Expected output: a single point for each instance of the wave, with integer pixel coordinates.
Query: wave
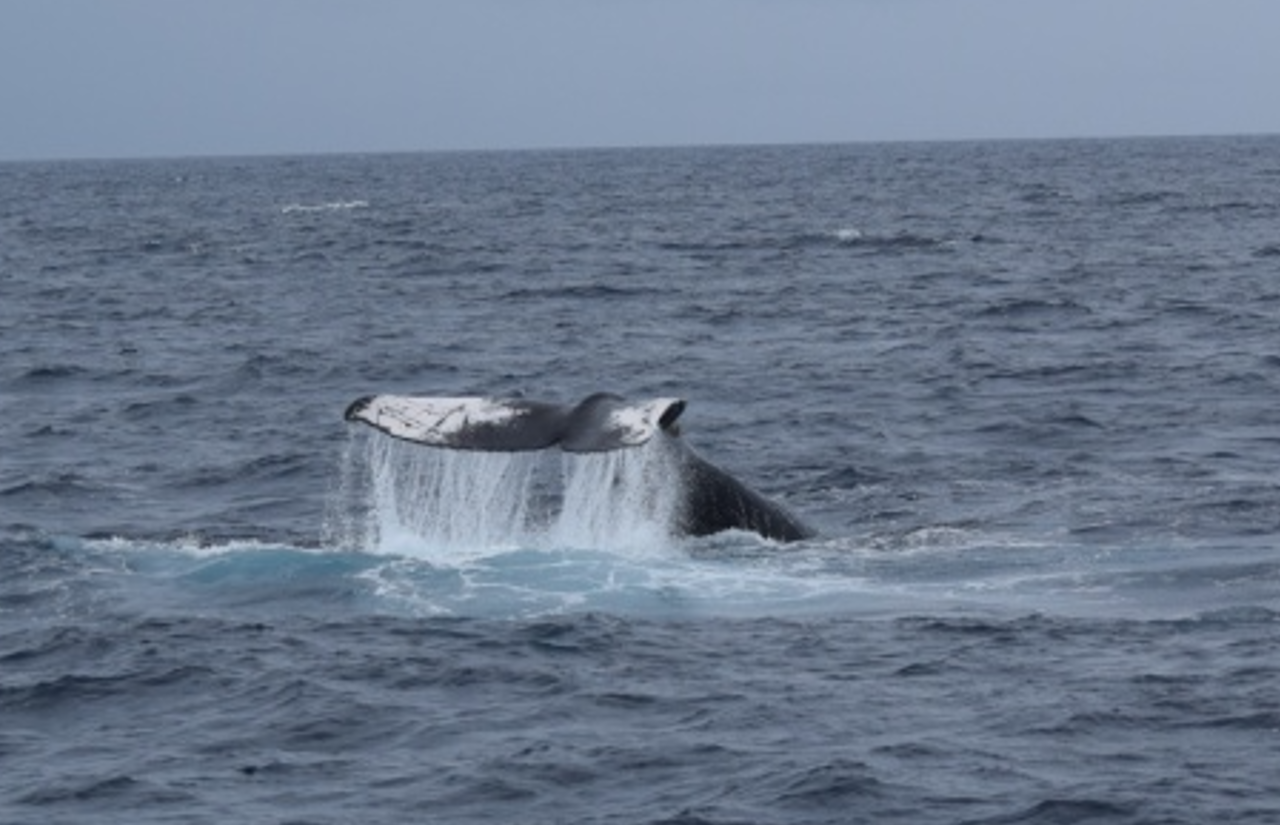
(579, 291)
(51, 373)
(846, 237)
(1032, 308)
(330, 206)
(65, 483)
(901, 241)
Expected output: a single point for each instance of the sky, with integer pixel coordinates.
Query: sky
(147, 78)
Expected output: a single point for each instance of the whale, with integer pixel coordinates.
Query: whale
(710, 501)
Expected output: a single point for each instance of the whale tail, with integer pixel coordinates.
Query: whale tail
(600, 423)
(712, 500)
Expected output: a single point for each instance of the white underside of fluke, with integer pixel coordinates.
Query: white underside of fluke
(505, 424)
(636, 423)
(436, 420)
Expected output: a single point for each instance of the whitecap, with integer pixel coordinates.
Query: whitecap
(330, 206)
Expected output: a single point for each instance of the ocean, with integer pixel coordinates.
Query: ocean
(1027, 394)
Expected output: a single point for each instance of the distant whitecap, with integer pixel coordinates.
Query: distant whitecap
(332, 206)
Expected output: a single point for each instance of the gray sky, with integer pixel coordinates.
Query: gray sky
(138, 78)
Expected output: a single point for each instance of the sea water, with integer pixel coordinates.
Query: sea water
(1025, 391)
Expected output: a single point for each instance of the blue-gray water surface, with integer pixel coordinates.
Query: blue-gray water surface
(1028, 394)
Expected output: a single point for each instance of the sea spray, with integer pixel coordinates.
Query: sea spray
(619, 499)
(347, 506)
(448, 501)
(450, 505)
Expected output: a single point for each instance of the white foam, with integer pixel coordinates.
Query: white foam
(323, 207)
(193, 546)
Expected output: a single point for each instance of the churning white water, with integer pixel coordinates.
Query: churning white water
(406, 499)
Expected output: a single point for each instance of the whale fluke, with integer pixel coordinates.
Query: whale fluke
(599, 423)
(713, 501)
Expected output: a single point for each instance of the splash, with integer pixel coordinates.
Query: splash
(622, 498)
(450, 505)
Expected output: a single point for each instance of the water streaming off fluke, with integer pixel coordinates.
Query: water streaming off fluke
(446, 505)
